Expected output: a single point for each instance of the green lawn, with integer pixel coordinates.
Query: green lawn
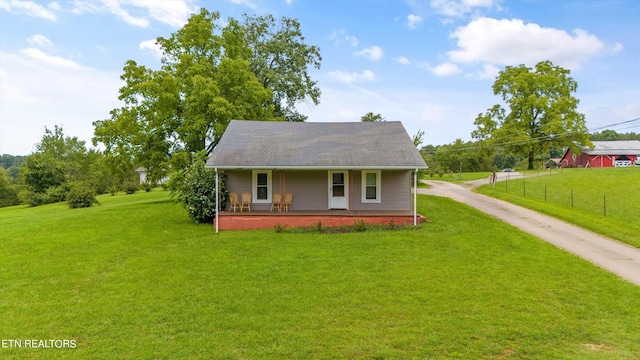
(455, 177)
(134, 279)
(606, 201)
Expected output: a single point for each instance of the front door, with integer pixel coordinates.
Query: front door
(338, 189)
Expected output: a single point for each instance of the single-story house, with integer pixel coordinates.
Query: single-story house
(619, 153)
(142, 172)
(335, 172)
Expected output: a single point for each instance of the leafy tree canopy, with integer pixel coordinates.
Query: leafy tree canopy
(8, 194)
(279, 58)
(209, 75)
(541, 112)
(610, 135)
(57, 159)
(58, 163)
(371, 117)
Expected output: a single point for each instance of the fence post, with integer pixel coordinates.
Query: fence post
(507, 184)
(571, 197)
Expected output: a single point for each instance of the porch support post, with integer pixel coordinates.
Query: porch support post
(217, 204)
(415, 198)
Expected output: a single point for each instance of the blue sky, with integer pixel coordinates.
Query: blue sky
(429, 64)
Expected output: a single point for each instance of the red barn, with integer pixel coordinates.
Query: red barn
(619, 153)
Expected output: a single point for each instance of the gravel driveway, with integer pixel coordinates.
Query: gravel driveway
(617, 257)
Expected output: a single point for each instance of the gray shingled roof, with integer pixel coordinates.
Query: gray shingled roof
(306, 145)
(618, 147)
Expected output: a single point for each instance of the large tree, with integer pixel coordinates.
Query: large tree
(279, 58)
(541, 112)
(209, 75)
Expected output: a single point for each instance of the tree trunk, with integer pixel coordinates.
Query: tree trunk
(530, 160)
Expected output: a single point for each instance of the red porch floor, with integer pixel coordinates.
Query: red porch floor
(267, 220)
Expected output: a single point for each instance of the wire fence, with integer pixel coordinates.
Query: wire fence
(606, 202)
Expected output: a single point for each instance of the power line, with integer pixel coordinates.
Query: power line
(537, 139)
(616, 124)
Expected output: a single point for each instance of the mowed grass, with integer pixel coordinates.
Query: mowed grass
(457, 178)
(133, 278)
(606, 201)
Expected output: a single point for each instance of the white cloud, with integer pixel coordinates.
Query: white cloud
(512, 42)
(152, 47)
(34, 95)
(173, 13)
(438, 111)
(372, 53)
(351, 77)
(616, 48)
(248, 3)
(31, 8)
(432, 113)
(40, 40)
(413, 21)
(352, 40)
(50, 60)
(337, 36)
(489, 72)
(113, 6)
(459, 8)
(446, 69)
(402, 60)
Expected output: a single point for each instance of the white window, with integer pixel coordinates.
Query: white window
(371, 186)
(261, 186)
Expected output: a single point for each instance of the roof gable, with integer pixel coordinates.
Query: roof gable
(268, 144)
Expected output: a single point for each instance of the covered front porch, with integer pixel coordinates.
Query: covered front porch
(245, 220)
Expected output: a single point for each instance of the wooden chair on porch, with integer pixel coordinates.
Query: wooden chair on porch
(234, 202)
(246, 200)
(287, 201)
(276, 200)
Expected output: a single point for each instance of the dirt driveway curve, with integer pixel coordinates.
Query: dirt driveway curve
(617, 257)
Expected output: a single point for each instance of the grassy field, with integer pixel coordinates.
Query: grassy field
(134, 279)
(606, 201)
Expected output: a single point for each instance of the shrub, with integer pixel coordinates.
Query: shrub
(37, 199)
(278, 228)
(57, 194)
(113, 190)
(147, 186)
(130, 187)
(360, 226)
(196, 189)
(81, 196)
